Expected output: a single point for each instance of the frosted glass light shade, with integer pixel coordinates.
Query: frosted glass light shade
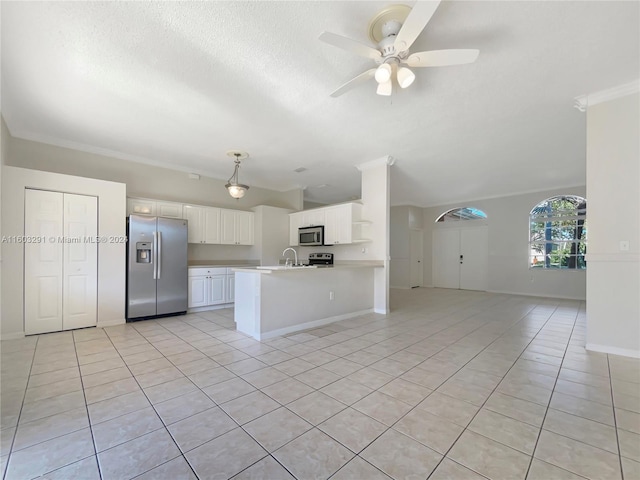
(383, 73)
(405, 77)
(237, 191)
(385, 88)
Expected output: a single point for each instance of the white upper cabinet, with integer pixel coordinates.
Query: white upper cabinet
(236, 227)
(338, 225)
(203, 224)
(343, 224)
(169, 209)
(140, 206)
(313, 218)
(153, 208)
(211, 225)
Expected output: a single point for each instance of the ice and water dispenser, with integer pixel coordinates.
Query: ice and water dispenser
(143, 252)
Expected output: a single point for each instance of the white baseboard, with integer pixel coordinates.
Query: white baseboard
(624, 352)
(537, 295)
(381, 311)
(307, 325)
(209, 308)
(12, 336)
(111, 323)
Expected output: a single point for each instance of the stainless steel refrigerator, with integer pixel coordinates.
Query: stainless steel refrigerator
(156, 267)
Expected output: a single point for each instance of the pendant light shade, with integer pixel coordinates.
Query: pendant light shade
(385, 88)
(405, 77)
(236, 189)
(383, 73)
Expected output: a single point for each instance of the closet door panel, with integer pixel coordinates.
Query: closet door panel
(80, 293)
(43, 261)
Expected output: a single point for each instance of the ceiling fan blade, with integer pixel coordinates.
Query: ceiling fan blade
(352, 46)
(354, 82)
(442, 58)
(418, 18)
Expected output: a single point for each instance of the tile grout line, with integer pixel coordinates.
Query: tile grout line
(544, 418)
(615, 422)
(33, 357)
(155, 411)
(493, 391)
(86, 406)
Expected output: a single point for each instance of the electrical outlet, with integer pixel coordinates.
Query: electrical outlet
(331, 295)
(624, 245)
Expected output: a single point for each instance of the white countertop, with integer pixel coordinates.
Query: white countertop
(339, 266)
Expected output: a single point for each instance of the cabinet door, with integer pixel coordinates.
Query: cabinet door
(195, 218)
(43, 262)
(338, 226)
(198, 291)
(228, 227)
(80, 271)
(136, 206)
(211, 225)
(231, 288)
(217, 288)
(313, 218)
(169, 209)
(295, 222)
(244, 228)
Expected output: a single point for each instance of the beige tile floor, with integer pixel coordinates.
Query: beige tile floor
(451, 384)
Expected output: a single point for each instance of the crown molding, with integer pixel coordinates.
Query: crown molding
(585, 101)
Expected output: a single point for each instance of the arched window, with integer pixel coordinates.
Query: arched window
(465, 213)
(558, 233)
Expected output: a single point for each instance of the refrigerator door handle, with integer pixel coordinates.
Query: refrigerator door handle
(154, 256)
(159, 255)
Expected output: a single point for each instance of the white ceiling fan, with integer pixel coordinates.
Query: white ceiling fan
(394, 30)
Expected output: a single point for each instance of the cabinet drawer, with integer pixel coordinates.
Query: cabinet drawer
(194, 272)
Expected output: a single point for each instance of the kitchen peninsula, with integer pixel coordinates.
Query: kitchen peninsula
(276, 301)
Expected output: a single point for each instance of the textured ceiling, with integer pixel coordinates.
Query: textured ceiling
(177, 84)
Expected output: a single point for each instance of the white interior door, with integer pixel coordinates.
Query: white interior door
(461, 258)
(446, 258)
(416, 257)
(43, 261)
(474, 263)
(80, 262)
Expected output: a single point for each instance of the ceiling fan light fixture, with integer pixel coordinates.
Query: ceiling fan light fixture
(234, 187)
(383, 73)
(405, 77)
(385, 88)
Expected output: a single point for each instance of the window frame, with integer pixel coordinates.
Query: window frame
(558, 234)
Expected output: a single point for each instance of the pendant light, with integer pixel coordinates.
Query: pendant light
(236, 189)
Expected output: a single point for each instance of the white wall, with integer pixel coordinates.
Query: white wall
(613, 193)
(271, 234)
(508, 223)
(111, 256)
(144, 180)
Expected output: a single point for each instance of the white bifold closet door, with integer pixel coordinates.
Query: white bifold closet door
(61, 265)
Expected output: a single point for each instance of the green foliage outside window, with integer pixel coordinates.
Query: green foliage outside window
(558, 233)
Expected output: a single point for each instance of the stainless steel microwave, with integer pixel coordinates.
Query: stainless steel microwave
(311, 236)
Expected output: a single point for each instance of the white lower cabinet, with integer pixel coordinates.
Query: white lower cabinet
(231, 286)
(210, 286)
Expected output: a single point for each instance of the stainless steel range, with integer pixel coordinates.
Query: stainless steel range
(321, 259)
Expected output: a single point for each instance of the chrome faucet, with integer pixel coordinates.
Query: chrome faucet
(294, 253)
